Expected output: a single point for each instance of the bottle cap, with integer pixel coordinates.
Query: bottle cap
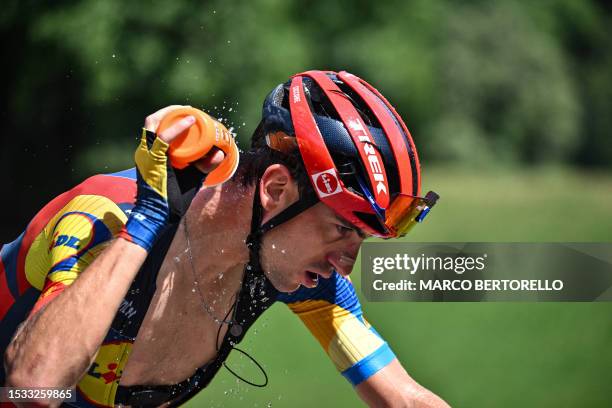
(195, 142)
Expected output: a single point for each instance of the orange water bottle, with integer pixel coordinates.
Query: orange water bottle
(196, 141)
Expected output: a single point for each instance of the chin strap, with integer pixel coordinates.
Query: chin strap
(253, 241)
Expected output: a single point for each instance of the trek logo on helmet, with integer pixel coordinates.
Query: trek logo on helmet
(296, 94)
(368, 148)
(327, 183)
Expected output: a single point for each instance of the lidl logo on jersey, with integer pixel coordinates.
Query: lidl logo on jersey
(100, 383)
(65, 240)
(74, 234)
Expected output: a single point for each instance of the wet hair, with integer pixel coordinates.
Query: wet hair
(254, 162)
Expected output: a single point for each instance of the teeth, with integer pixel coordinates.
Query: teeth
(314, 277)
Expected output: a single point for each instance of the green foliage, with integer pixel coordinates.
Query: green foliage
(505, 87)
(477, 82)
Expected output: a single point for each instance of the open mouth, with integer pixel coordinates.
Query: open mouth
(312, 279)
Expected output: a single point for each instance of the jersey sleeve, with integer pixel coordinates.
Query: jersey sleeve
(333, 314)
(71, 240)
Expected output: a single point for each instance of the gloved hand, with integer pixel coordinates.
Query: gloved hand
(150, 214)
(163, 193)
(152, 210)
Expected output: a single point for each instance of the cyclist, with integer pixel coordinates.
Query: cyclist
(139, 302)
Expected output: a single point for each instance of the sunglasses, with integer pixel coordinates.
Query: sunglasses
(404, 212)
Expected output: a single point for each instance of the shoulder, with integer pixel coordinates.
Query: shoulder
(71, 225)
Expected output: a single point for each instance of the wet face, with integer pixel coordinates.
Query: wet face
(309, 246)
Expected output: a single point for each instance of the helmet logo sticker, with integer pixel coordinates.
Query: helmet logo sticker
(368, 148)
(356, 126)
(296, 94)
(326, 183)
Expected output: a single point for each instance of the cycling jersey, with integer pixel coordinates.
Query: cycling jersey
(71, 230)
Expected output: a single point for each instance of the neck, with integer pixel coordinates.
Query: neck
(217, 225)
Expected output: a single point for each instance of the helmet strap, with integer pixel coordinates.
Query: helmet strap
(253, 241)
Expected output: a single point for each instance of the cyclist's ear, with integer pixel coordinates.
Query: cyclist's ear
(277, 190)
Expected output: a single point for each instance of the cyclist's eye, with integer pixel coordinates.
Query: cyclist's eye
(343, 230)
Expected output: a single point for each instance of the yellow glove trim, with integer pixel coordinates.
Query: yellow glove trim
(152, 164)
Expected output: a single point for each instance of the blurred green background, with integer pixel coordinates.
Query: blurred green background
(509, 103)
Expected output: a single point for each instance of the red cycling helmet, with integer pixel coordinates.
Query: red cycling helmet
(357, 151)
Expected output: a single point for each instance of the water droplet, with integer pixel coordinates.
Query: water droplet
(114, 55)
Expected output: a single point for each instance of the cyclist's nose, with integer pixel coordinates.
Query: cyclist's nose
(342, 262)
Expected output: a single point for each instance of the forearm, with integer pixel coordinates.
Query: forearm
(420, 397)
(393, 387)
(57, 344)
(404, 396)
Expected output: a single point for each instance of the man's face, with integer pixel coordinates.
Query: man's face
(309, 246)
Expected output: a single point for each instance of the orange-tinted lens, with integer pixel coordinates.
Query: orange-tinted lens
(403, 213)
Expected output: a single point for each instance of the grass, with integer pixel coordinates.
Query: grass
(472, 354)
